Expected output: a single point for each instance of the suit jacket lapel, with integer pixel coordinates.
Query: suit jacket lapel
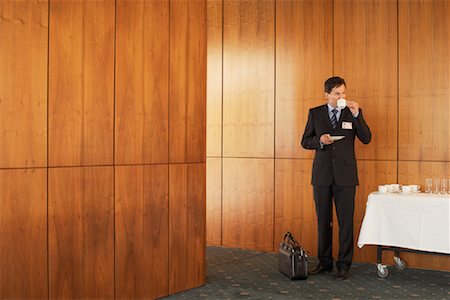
(327, 115)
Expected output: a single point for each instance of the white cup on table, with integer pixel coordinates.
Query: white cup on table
(382, 189)
(415, 187)
(406, 189)
(395, 187)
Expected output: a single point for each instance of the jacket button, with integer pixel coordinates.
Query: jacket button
(334, 159)
(334, 148)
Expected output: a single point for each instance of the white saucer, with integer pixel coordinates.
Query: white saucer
(337, 137)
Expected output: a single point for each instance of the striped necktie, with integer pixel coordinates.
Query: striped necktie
(333, 118)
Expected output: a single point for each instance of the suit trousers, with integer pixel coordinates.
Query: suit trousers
(344, 200)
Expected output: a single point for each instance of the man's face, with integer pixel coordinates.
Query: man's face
(335, 94)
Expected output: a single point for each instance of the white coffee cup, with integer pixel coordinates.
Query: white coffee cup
(396, 187)
(382, 189)
(406, 189)
(415, 187)
(342, 103)
(389, 188)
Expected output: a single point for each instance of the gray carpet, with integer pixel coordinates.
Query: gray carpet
(244, 274)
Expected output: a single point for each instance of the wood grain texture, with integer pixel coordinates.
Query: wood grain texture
(303, 62)
(214, 79)
(294, 201)
(248, 78)
(187, 226)
(81, 82)
(248, 200)
(424, 86)
(81, 232)
(23, 83)
(141, 213)
(142, 82)
(214, 201)
(187, 92)
(310, 237)
(415, 172)
(23, 234)
(365, 55)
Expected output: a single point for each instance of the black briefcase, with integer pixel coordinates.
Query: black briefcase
(292, 258)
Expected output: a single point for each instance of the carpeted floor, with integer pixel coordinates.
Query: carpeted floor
(244, 274)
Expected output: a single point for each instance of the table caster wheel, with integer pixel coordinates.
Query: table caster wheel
(399, 263)
(382, 271)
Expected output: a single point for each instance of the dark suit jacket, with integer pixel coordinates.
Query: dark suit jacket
(336, 161)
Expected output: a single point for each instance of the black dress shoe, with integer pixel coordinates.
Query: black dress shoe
(342, 274)
(320, 269)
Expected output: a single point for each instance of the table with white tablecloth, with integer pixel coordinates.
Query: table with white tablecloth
(416, 221)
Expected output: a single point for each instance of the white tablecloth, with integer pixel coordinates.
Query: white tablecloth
(415, 221)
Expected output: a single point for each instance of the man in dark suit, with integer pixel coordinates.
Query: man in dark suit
(331, 131)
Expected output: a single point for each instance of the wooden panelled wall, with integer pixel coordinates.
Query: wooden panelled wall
(267, 61)
(102, 148)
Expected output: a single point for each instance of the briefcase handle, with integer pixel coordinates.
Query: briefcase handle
(290, 238)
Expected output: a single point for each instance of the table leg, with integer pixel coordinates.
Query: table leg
(379, 254)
